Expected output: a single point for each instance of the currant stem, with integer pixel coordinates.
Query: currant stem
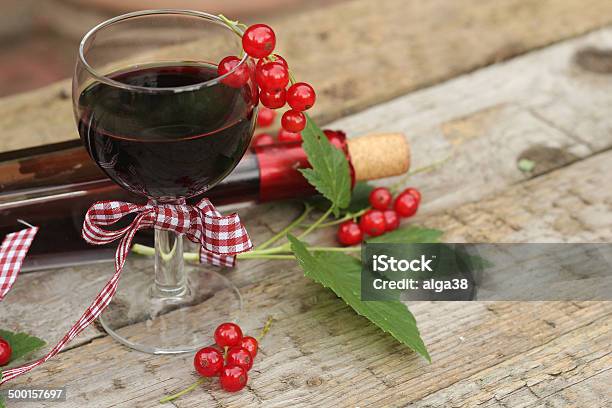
(347, 217)
(288, 228)
(183, 392)
(425, 169)
(234, 25)
(265, 329)
(316, 223)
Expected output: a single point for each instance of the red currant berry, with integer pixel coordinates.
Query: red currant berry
(293, 121)
(263, 139)
(240, 356)
(301, 96)
(414, 192)
(272, 76)
(259, 40)
(277, 58)
(380, 198)
(406, 205)
(233, 378)
(392, 220)
(5, 352)
(265, 116)
(250, 343)
(236, 78)
(228, 335)
(272, 99)
(349, 233)
(208, 361)
(286, 136)
(373, 223)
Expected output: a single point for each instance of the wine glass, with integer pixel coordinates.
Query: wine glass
(158, 120)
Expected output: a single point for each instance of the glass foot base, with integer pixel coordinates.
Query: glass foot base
(145, 319)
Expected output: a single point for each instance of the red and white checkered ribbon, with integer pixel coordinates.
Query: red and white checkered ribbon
(220, 237)
(12, 252)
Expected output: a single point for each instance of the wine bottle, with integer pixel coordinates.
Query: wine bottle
(52, 186)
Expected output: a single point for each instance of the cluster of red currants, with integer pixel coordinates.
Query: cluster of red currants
(381, 217)
(5, 352)
(272, 78)
(230, 358)
(265, 118)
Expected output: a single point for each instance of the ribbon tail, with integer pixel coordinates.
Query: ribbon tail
(210, 258)
(12, 253)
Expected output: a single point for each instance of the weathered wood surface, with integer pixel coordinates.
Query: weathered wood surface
(495, 354)
(319, 352)
(487, 120)
(359, 53)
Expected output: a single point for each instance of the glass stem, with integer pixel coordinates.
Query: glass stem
(170, 280)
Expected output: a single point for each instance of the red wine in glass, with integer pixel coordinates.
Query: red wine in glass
(166, 145)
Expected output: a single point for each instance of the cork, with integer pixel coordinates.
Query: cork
(377, 156)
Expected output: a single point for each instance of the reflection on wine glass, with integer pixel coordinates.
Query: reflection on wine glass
(156, 118)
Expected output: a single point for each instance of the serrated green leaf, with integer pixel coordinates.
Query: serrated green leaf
(409, 235)
(342, 274)
(21, 343)
(330, 170)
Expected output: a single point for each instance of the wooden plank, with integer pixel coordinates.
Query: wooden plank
(541, 375)
(488, 119)
(319, 352)
(485, 107)
(360, 53)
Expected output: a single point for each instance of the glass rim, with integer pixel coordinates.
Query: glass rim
(193, 13)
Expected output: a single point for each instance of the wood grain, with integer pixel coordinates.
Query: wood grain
(318, 350)
(487, 121)
(319, 353)
(361, 53)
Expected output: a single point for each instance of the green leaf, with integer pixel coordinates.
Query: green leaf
(342, 274)
(360, 197)
(409, 235)
(330, 170)
(21, 343)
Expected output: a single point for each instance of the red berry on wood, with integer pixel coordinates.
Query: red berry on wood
(208, 361)
(301, 96)
(250, 343)
(414, 192)
(392, 220)
(277, 58)
(228, 335)
(406, 205)
(265, 116)
(293, 121)
(273, 99)
(259, 40)
(286, 136)
(263, 139)
(5, 352)
(240, 356)
(380, 198)
(373, 223)
(233, 378)
(349, 233)
(272, 76)
(238, 77)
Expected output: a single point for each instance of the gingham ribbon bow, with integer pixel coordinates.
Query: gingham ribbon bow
(221, 238)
